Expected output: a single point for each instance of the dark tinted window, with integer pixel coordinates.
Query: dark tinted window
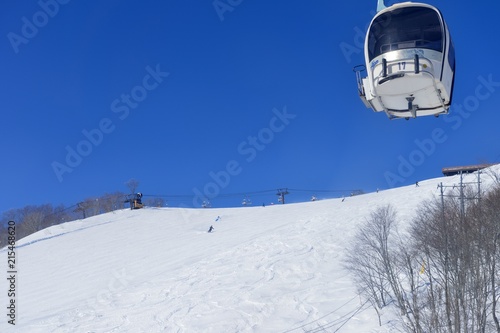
(411, 27)
(451, 56)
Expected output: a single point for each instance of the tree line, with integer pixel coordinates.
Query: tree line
(33, 218)
(442, 273)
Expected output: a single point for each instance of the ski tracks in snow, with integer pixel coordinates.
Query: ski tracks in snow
(249, 285)
(269, 280)
(252, 284)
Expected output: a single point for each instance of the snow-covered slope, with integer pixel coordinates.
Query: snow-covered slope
(264, 269)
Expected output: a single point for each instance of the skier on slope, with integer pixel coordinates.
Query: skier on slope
(211, 228)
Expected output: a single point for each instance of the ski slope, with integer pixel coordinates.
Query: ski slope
(264, 269)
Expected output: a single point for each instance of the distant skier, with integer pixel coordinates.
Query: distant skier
(416, 184)
(211, 228)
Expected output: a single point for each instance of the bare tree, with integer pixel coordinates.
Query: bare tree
(60, 215)
(155, 202)
(31, 223)
(486, 215)
(10, 215)
(369, 259)
(443, 275)
(494, 175)
(460, 247)
(89, 207)
(132, 184)
(30, 219)
(111, 201)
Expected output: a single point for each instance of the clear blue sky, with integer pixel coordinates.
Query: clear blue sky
(253, 96)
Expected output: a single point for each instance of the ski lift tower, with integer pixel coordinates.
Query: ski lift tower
(281, 194)
(246, 202)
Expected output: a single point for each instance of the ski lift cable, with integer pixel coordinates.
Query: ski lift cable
(248, 193)
(220, 195)
(339, 321)
(322, 191)
(326, 315)
(333, 323)
(359, 309)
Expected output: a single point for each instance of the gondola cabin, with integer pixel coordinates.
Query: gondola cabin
(410, 62)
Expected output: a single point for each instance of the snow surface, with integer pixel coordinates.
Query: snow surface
(264, 269)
